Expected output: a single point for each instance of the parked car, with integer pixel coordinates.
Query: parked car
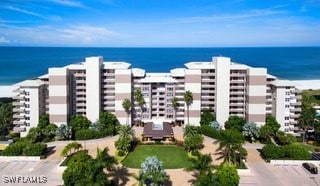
(310, 167)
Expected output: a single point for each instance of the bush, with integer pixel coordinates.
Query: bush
(296, 152)
(15, 149)
(228, 175)
(121, 153)
(85, 134)
(25, 148)
(36, 149)
(271, 151)
(210, 132)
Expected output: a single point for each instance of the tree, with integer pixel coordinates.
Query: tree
(88, 171)
(77, 123)
(5, 118)
(123, 145)
(207, 116)
(190, 130)
(35, 135)
(215, 125)
(175, 104)
(152, 172)
(251, 131)
(63, 132)
(125, 131)
(43, 121)
(296, 152)
(273, 124)
(138, 97)
(107, 121)
(228, 176)
(188, 98)
(285, 139)
(207, 179)
(49, 132)
(126, 104)
(230, 145)
(235, 122)
(307, 118)
(67, 150)
(193, 143)
(202, 164)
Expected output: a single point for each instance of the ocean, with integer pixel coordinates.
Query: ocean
(293, 63)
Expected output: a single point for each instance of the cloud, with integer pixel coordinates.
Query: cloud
(69, 3)
(3, 40)
(73, 35)
(23, 11)
(251, 14)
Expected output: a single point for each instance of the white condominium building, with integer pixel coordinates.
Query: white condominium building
(90, 87)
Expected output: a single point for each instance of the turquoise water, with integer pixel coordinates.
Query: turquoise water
(295, 63)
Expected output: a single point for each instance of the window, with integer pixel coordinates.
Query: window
(286, 118)
(27, 112)
(27, 99)
(169, 89)
(145, 94)
(286, 130)
(287, 93)
(287, 106)
(287, 99)
(169, 111)
(145, 89)
(169, 94)
(27, 93)
(286, 124)
(27, 105)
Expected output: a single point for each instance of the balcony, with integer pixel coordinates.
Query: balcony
(80, 87)
(18, 91)
(19, 97)
(18, 110)
(294, 116)
(293, 122)
(17, 104)
(236, 93)
(18, 116)
(19, 129)
(295, 109)
(236, 98)
(296, 104)
(18, 122)
(299, 97)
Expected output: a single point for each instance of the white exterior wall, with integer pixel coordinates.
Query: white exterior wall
(222, 99)
(280, 111)
(93, 69)
(34, 109)
(195, 106)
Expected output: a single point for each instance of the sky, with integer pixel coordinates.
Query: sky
(160, 23)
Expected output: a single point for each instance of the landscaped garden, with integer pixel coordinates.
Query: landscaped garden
(173, 157)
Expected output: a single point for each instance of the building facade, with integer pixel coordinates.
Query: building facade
(93, 86)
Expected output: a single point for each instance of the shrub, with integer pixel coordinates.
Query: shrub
(228, 175)
(210, 132)
(85, 134)
(15, 149)
(271, 151)
(121, 153)
(36, 149)
(296, 152)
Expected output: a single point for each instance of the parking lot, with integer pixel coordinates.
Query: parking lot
(41, 172)
(268, 174)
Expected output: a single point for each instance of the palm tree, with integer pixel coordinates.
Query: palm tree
(140, 100)
(67, 149)
(125, 131)
(201, 164)
(307, 118)
(126, 104)
(230, 145)
(104, 160)
(190, 131)
(175, 104)
(188, 97)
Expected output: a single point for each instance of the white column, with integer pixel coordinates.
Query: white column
(93, 69)
(222, 65)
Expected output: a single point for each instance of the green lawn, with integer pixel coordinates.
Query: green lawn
(173, 157)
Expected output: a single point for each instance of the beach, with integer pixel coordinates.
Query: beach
(7, 90)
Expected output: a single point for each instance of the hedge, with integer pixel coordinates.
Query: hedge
(289, 152)
(85, 134)
(210, 132)
(23, 148)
